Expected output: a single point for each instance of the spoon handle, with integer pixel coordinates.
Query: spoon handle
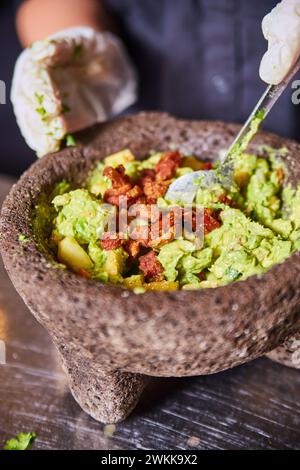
(261, 110)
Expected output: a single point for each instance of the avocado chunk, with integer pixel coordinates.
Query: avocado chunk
(115, 263)
(119, 158)
(73, 255)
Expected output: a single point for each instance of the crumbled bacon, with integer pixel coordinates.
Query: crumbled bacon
(111, 241)
(146, 176)
(155, 189)
(134, 195)
(167, 166)
(171, 224)
(121, 184)
(224, 199)
(151, 267)
(158, 228)
(210, 222)
(117, 176)
(113, 196)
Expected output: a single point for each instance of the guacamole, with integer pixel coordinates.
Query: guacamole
(245, 230)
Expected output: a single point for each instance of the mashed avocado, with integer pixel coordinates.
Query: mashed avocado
(247, 229)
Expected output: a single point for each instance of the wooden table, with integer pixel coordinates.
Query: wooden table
(255, 406)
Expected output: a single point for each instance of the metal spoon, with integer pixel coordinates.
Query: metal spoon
(184, 189)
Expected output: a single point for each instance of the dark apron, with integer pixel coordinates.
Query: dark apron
(200, 58)
(15, 156)
(196, 59)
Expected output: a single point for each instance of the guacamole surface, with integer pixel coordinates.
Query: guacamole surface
(245, 230)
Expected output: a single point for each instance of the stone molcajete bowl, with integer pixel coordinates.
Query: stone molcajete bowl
(110, 340)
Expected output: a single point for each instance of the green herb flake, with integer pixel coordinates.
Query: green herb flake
(39, 98)
(70, 141)
(22, 238)
(43, 113)
(41, 109)
(23, 441)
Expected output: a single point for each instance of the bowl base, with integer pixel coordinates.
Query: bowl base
(108, 396)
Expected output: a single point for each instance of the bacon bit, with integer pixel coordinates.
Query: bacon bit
(167, 166)
(111, 241)
(135, 194)
(224, 199)
(210, 223)
(112, 196)
(121, 184)
(172, 219)
(84, 273)
(146, 176)
(117, 176)
(154, 189)
(132, 247)
(193, 218)
(151, 267)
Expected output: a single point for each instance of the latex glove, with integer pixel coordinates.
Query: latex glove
(70, 81)
(281, 28)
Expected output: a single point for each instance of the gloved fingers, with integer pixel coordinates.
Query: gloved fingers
(281, 28)
(68, 82)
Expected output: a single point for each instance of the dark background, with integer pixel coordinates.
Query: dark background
(196, 59)
(15, 156)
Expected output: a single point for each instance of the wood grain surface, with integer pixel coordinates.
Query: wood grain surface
(255, 406)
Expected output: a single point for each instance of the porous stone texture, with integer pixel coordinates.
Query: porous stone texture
(111, 339)
(288, 353)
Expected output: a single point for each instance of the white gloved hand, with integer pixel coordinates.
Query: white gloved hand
(281, 28)
(70, 81)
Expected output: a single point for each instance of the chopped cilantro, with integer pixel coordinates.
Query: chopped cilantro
(70, 141)
(23, 441)
(44, 114)
(40, 98)
(22, 238)
(41, 109)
